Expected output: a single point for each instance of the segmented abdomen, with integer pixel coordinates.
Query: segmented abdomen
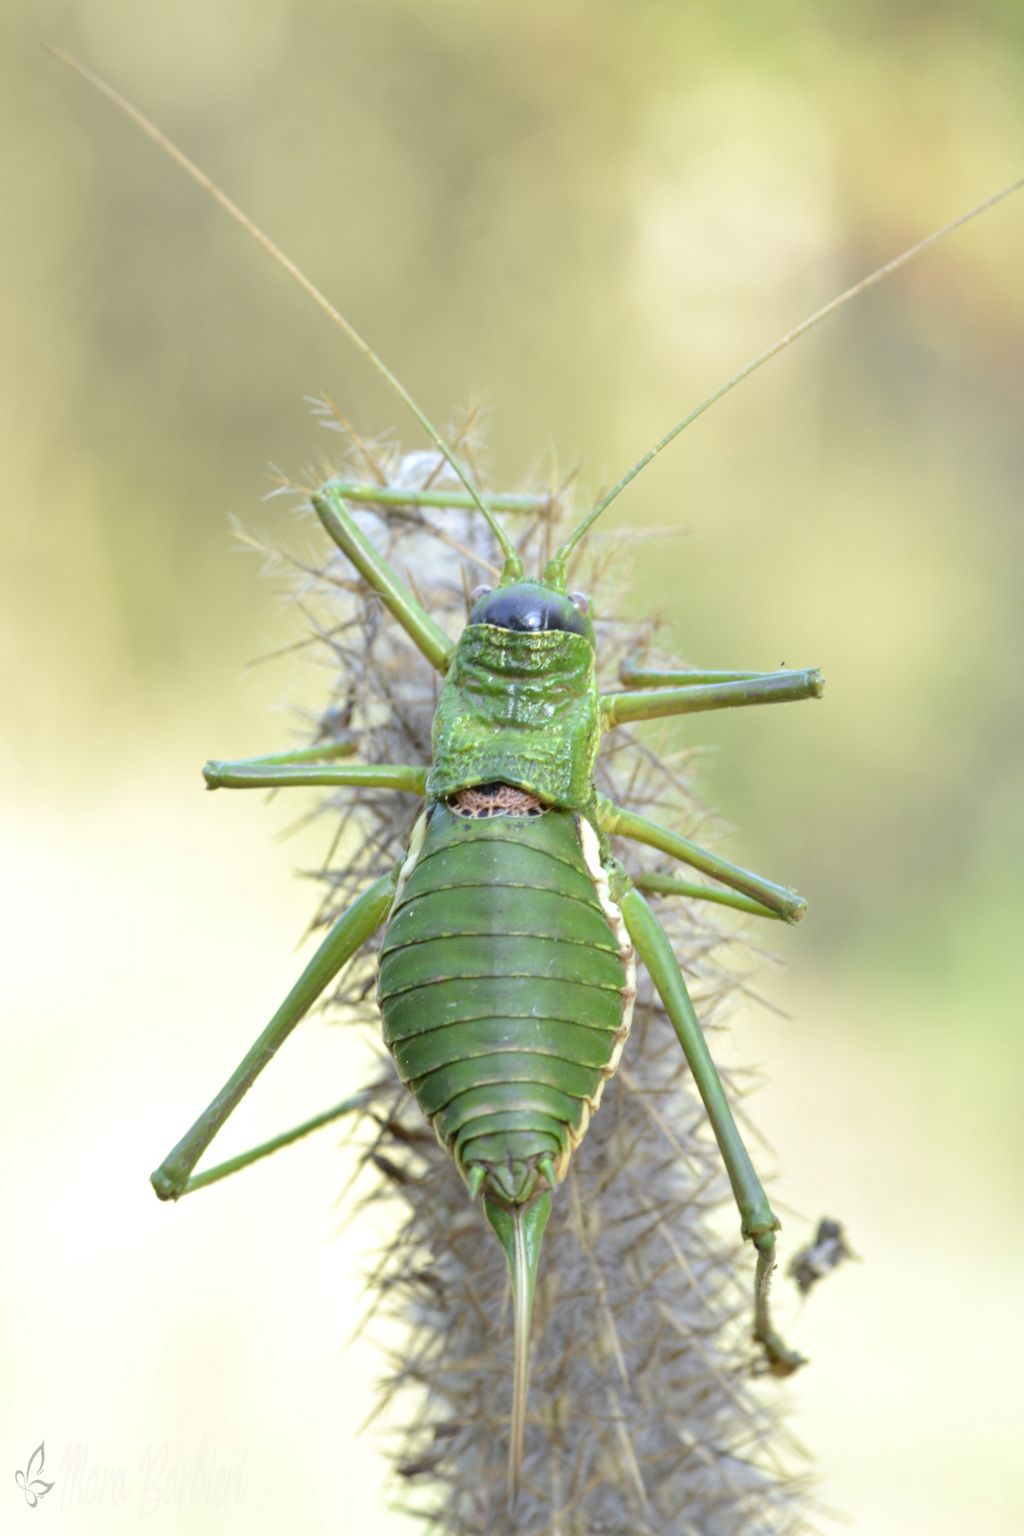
(506, 986)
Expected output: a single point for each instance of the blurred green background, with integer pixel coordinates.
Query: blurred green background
(586, 215)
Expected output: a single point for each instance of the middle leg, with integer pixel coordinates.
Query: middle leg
(778, 899)
(305, 766)
(348, 934)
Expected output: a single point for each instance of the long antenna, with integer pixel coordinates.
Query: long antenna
(513, 566)
(558, 563)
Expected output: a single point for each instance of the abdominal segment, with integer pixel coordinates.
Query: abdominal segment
(506, 985)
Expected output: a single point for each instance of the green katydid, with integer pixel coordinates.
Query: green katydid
(510, 931)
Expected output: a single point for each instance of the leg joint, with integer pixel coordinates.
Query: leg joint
(760, 1228)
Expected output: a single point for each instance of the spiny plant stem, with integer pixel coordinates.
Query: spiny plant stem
(640, 1415)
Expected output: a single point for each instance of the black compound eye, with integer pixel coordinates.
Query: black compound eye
(528, 606)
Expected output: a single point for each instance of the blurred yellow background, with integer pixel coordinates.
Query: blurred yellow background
(587, 215)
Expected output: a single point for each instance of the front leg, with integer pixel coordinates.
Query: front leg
(425, 633)
(656, 695)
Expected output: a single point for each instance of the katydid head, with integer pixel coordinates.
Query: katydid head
(531, 607)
